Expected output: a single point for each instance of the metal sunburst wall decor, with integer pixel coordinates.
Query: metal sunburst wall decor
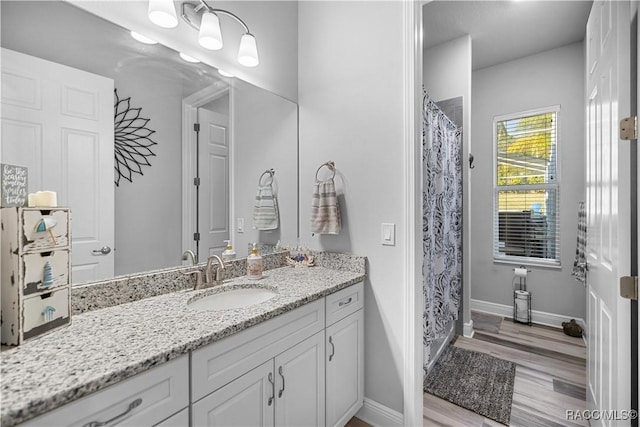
(132, 140)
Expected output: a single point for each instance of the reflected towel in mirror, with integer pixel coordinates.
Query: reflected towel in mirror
(265, 211)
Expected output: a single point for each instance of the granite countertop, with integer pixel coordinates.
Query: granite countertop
(105, 346)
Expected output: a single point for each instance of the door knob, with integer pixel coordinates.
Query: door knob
(106, 250)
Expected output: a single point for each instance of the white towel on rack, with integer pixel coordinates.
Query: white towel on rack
(325, 208)
(265, 211)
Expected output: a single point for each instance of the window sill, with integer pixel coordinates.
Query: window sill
(533, 262)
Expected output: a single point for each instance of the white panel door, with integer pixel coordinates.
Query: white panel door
(213, 211)
(246, 401)
(58, 121)
(300, 384)
(608, 207)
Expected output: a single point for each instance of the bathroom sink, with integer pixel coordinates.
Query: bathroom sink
(232, 297)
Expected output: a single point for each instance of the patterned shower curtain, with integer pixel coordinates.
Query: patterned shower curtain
(442, 221)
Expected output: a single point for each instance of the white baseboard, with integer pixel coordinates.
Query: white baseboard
(539, 317)
(468, 328)
(379, 415)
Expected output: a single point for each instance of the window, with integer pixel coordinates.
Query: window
(526, 188)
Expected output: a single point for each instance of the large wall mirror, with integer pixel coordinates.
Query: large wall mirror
(57, 54)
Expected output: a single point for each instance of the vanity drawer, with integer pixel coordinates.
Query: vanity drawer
(33, 240)
(143, 400)
(45, 312)
(344, 302)
(38, 269)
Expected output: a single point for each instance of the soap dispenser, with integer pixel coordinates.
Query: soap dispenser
(254, 264)
(228, 253)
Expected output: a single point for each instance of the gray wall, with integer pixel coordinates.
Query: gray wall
(546, 79)
(265, 136)
(350, 96)
(148, 211)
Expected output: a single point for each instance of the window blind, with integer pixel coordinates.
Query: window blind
(526, 190)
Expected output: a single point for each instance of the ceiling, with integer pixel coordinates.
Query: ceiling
(502, 31)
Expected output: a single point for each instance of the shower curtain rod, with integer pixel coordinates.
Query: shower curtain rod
(431, 104)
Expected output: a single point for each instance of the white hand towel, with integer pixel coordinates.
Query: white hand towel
(325, 208)
(265, 211)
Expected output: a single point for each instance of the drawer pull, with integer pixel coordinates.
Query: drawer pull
(273, 389)
(341, 303)
(333, 349)
(282, 390)
(133, 405)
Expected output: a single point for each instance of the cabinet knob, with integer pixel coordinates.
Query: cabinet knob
(105, 250)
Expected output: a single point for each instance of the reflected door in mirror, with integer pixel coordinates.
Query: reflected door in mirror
(58, 122)
(213, 212)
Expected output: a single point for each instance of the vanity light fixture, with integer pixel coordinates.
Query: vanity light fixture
(142, 39)
(206, 20)
(223, 73)
(188, 58)
(163, 13)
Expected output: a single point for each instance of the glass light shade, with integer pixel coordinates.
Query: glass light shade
(188, 58)
(163, 13)
(142, 39)
(210, 34)
(248, 52)
(224, 73)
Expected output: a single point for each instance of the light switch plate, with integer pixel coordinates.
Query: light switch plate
(240, 225)
(388, 234)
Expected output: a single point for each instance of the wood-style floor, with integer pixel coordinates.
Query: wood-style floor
(550, 375)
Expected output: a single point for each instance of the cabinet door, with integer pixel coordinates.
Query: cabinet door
(345, 368)
(300, 384)
(246, 401)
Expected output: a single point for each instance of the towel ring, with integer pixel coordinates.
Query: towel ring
(330, 165)
(271, 172)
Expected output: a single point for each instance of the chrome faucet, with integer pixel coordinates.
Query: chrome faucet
(189, 253)
(208, 280)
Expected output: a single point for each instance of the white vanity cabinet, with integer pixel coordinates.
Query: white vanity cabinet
(303, 368)
(344, 355)
(143, 400)
(287, 390)
(300, 368)
(270, 374)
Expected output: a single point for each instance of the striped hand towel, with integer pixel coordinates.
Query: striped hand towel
(580, 267)
(265, 211)
(325, 208)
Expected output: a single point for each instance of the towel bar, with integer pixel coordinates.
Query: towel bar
(269, 172)
(330, 165)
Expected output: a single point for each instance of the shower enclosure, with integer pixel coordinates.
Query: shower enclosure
(441, 226)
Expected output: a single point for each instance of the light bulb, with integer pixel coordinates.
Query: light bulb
(142, 39)
(189, 58)
(248, 52)
(163, 13)
(210, 36)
